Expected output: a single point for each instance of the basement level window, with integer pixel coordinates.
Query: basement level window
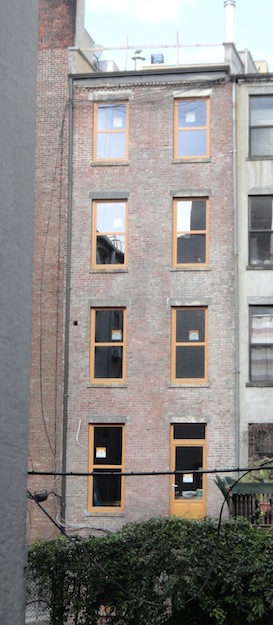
(105, 488)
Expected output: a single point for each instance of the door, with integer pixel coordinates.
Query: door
(188, 454)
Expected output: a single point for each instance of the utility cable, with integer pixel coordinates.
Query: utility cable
(76, 540)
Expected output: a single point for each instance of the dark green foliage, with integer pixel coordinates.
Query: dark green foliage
(161, 572)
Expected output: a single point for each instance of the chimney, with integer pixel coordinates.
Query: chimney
(230, 20)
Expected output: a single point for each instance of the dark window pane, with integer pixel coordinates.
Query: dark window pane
(189, 430)
(192, 113)
(111, 145)
(260, 440)
(191, 215)
(191, 248)
(261, 141)
(109, 326)
(107, 445)
(192, 142)
(106, 489)
(190, 325)
(261, 213)
(261, 248)
(188, 458)
(108, 362)
(190, 362)
(112, 117)
(110, 250)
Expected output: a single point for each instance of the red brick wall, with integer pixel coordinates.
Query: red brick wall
(148, 402)
(57, 22)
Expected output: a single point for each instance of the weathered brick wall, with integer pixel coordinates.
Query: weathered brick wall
(57, 26)
(57, 23)
(148, 401)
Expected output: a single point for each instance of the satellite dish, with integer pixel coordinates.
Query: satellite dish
(97, 54)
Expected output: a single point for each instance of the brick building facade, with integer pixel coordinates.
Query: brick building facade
(169, 213)
(135, 308)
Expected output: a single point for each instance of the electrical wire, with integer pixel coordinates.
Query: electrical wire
(267, 465)
(78, 542)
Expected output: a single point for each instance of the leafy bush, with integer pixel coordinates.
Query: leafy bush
(162, 572)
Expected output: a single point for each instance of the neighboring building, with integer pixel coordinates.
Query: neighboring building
(254, 97)
(18, 69)
(139, 298)
(60, 26)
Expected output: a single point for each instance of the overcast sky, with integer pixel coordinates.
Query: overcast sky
(146, 22)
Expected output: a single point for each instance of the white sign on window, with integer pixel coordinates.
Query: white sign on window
(190, 118)
(194, 335)
(100, 452)
(188, 478)
(117, 222)
(116, 335)
(117, 122)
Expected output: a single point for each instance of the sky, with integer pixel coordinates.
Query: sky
(153, 22)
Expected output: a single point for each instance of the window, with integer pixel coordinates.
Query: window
(260, 440)
(190, 232)
(109, 230)
(261, 230)
(191, 125)
(261, 344)
(106, 456)
(189, 344)
(111, 132)
(189, 441)
(261, 125)
(107, 353)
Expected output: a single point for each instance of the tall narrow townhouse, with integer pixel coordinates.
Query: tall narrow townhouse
(255, 264)
(60, 27)
(152, 309)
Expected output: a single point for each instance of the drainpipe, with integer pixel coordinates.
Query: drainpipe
(236, 289)
(67, 301)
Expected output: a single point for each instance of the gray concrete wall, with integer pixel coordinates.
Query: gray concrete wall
(255, 285)
(18, 36)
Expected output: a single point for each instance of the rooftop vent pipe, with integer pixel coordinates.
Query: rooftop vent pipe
(230, 20)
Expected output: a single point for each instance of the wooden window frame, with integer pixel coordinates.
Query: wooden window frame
(96, 132)
(95, 235)
(177, 129)
(94, 344)
(176, 232)
(175, 344)
(92, 466)
(259, 127)
(188, 442)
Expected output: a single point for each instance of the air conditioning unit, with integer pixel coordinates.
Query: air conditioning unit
(156, 59)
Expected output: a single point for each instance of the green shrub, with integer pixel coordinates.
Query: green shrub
(161, 572)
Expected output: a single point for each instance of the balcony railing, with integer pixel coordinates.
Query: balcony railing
(251, 500)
